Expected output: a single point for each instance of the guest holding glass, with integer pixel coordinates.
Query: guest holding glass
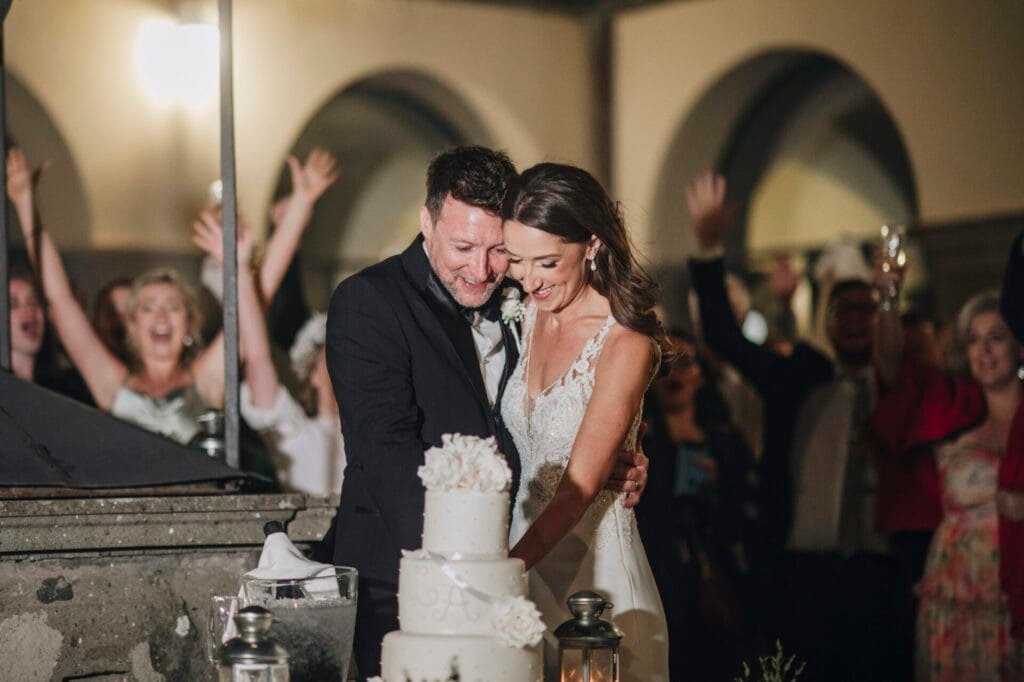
(823, 500)
(972, 591)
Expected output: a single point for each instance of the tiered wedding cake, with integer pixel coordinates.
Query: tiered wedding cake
(462, 602)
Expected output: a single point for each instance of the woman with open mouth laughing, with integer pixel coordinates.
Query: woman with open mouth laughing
(171, 378)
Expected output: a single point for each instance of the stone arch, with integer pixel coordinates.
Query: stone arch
(384, 129)
(778, 125)
(62, 193)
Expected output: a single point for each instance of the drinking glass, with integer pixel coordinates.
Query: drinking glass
(894, 247)
(222, 609)
(314, 619)
(894, 253)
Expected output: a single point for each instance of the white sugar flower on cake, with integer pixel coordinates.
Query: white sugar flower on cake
(465, 463)
(517, 622)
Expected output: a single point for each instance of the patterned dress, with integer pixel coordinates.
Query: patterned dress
(963, 629)
(604, 551)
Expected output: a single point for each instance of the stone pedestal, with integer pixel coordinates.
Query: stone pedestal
(119, 588)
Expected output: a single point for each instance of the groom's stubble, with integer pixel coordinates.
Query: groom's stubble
(465, 247)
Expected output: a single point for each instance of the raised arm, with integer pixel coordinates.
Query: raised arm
(888, 342)
(208, 367)
(102, 371)
(712, 217)
(621, 377)
(292, 215)
(259, 370)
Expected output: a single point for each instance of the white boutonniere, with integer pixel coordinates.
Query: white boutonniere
(513, 310)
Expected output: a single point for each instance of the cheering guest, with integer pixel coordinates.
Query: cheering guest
(170, 380)
(305, 439)
(34, 357)
(972, 592)
(817, 470)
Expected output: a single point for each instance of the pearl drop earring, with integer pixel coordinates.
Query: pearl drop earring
(593, 265)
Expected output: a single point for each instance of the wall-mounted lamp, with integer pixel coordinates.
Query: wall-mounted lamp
(178, 61)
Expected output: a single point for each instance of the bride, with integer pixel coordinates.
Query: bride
(591, 346)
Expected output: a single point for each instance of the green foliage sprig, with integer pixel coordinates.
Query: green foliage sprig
(777, 668)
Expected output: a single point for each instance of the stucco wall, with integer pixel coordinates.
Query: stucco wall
(146, 168)
(948, 72)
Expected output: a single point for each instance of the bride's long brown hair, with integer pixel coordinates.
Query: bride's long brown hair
(570, 203)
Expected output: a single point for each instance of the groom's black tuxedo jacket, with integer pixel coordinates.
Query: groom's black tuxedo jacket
(405, 371)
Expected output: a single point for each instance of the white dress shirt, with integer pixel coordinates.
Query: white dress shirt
(825, 440)
(490, 353)
(490, 350)
(308, 452)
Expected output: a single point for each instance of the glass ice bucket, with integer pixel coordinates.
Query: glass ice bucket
(314, 619)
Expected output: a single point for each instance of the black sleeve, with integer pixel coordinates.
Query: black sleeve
(370, 366)
(1012, 302)
(760, 366)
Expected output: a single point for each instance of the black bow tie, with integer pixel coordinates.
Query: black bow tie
(491, 310)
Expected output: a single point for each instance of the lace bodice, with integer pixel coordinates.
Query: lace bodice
(603, 552)
(544, 430)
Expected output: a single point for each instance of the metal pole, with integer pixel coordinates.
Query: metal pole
(5, 303)
(229, 206)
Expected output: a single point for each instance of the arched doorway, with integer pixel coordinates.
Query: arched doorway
(384, 131)
(62, 193)
(810, 154)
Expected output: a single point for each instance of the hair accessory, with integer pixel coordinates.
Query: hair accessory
(188, 341)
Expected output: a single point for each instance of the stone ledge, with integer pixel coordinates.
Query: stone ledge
(110, 524)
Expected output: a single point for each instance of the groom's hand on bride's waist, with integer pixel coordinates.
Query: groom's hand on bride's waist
(630, 473)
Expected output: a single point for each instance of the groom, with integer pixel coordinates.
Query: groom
(416, 349)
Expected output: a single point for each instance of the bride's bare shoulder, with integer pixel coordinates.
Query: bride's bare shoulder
(626, 347)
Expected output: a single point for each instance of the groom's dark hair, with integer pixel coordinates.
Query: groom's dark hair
(477, 176)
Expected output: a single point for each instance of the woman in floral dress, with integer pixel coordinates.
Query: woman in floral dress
(974, 426)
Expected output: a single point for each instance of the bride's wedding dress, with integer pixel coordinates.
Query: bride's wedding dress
(603, 552)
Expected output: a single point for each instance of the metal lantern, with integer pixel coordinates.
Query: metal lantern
(253, 656)
(588, 647)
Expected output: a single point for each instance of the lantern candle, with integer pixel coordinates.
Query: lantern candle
(588, 647)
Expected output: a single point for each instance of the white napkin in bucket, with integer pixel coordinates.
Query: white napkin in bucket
(282, 560)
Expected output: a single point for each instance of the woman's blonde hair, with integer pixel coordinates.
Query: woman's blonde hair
(188, 296)
(985, 302)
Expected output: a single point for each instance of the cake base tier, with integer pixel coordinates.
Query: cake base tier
(475, 659)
